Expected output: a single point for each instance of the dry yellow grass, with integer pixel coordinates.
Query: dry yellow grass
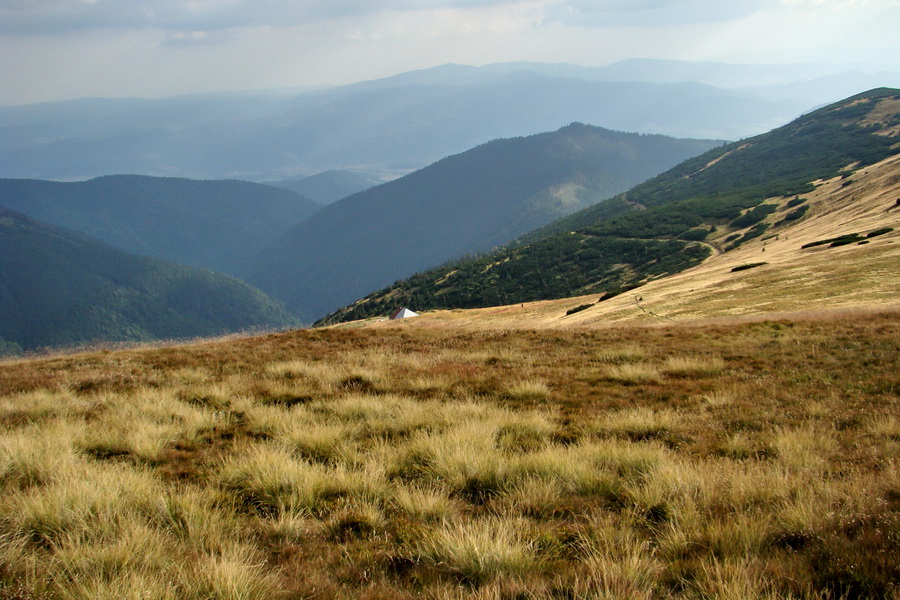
(742, 443)
(759, 460)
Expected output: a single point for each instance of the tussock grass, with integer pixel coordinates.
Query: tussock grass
(43, 405)
(394, 464)
(216, 396)
(324, 443)
(621, 563)
(387, 416)
(808, 447)
(268, 479)
(817, 410)
(633, 374)
(533, 390)
(191, 517)
(36, 455)
(430, 385)
(884, 426)
(480, 550)
(734, 579)
(533, 497)
(723, 396)
(132, 585)
(238, 573)
(425, 504)
(622, 354)
(291, 528)
(528, 431)
(358, 520)
(139, 548)
(639, 423)
(693, 366)
(740, 446)
(87, 505)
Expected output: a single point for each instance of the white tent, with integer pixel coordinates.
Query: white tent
(403, 313)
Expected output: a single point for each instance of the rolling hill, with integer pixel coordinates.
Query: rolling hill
(749, 192)
(59, 287)
(465, 203)
(212, 224)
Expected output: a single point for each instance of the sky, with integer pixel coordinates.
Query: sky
(63, 49)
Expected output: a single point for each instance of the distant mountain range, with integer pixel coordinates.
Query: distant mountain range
(711, 203)
(59, 287)
(563, 207)
(93, 289)
(212, 224)
(466, 203)
(328, 186)
(393, 126)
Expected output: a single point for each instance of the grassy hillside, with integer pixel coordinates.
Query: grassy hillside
(716, 202)
(462, 204)
(790, 273)
(59, 287)
(212, 224)
(685, 462)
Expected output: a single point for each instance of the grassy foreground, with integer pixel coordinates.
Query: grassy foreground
(744, 460)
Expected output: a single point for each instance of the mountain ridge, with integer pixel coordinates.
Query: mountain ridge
(392, 126)
(726, 195)
(763, 280)
(465, 203)
(212, 224)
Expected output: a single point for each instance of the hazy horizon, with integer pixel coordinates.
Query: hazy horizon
(57, 50)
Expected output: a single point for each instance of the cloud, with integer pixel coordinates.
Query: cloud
(35, 16)
(184, 38)
(197, 16)
(593, 13)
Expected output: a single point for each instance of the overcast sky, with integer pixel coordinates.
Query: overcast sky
(60, 49)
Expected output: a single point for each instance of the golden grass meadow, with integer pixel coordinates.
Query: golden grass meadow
(731, 460)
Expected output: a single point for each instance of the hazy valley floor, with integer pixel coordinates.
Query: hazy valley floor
(701, 460)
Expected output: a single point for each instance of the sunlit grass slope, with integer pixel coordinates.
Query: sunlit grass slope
(728, 200)
(781, 272)
(742, 460)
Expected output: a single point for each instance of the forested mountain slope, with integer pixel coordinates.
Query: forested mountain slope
(467, 203)
(213, 224)
(712, 203)
(59, 287)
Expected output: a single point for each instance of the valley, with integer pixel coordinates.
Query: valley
(684, 387)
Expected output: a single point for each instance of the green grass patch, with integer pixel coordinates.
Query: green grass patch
(841, 240)
(580, 308)
(748, 266)
(878, 232)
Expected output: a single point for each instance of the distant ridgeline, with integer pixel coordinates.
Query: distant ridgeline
(658, 227)
(59, 287)
(212, 224)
